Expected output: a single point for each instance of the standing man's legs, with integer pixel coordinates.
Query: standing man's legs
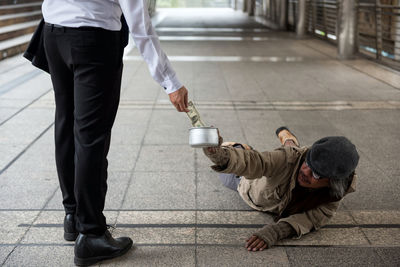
(97, 81)
(86, 69)
(63, 83)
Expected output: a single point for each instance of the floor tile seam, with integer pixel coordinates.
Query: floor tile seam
(197, 225)
(371, 160)
(378, 66)
(30, 226)
(361, 230)
(206, 245)
(351, 67)
(14, 67)
(25, 107)
(18, 81)
(263, 92)
(131, 76)
(137, 158)
(116, 210)
(196, 175)
(234, 106)
(25, 149)
(321, 106)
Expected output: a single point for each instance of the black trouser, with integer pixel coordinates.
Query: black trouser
(86, 68)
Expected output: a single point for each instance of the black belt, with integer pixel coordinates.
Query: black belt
(65, 29)
(53, 25)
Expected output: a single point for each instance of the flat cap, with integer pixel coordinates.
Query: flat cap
(333, 157)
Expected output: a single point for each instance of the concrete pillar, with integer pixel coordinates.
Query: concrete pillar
(347, 29)
(283, 11)
(301, 18)
(251, 6)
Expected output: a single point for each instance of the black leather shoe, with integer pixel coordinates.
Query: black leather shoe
(90, 249)
(70, 233)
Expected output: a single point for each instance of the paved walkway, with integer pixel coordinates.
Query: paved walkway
(245, 79)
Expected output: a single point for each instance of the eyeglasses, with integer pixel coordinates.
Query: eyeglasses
(316, 176)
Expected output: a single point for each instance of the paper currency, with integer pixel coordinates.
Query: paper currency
(194, 115)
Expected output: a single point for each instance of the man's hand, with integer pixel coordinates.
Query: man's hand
(212, 150)
(179, 99)
(254, 243)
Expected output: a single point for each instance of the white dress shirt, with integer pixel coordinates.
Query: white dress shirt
(106, 14)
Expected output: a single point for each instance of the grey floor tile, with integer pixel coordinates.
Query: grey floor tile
(11, 151)
(239, 256)
(22, 189)
(4, 252)
(7, 112)
(32, 116)
(382, 236)
(122, 158)
(124, 134)
(260, 126)
(117, 184)
(211, 194)
(38, 158)
(376, 217)
(308, 126)
(157, 236)
(385, 191)
(168, 127)
(11, 230)
(233, 217)
(203, 163)
(45, 235)
(39, 256)
(166, 158)
(56, 201)
(132, 117)
(156, 256)
(224, 236)
(161, 190)
(36, 87)
(389, 256)
(227, 122)
(331, 237)
(157, 217)
(333, 257)
(21, 133)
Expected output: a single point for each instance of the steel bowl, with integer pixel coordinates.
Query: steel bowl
(203, 136)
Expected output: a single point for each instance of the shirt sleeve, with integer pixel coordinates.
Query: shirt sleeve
(253, 164)
(315, 218)
(146, 40)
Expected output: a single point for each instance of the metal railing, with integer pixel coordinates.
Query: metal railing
(379, 30)
(322, 18)
(292, 14)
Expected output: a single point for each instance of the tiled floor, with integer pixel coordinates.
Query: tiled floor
(245, 79)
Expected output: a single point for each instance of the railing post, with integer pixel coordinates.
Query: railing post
(397, 32)
(347, 29)
(283, 8)
(301, 18)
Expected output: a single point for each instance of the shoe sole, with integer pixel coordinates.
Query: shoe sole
(70, 236)
(280, 129)
(93, 260)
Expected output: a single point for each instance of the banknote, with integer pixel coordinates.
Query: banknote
(194, 115)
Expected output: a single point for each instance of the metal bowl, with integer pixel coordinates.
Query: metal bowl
(203, 136)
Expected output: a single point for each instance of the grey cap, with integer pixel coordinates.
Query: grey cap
(333, 157)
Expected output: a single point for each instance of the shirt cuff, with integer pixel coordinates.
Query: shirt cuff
(171, 85)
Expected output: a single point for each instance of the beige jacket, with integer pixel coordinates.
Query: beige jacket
(269, 178)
